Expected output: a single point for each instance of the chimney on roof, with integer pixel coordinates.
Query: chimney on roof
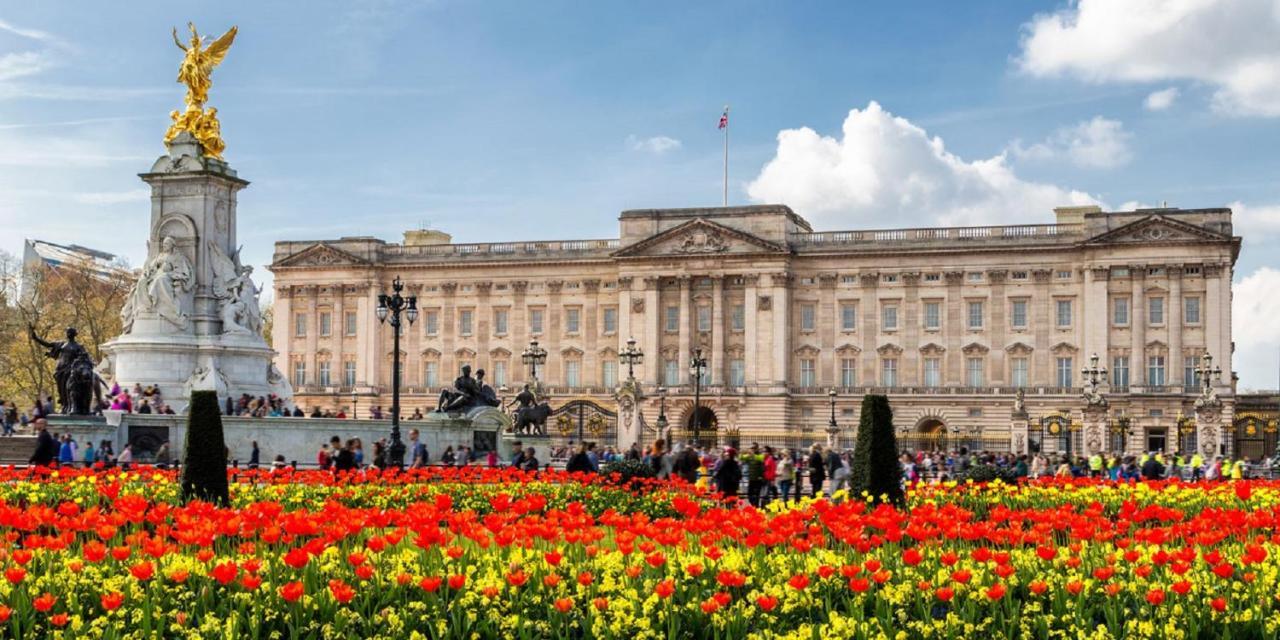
(426, 237)
(1074, 215)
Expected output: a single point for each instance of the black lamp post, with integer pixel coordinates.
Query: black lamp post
(633, 356)
(533, 356)
(697, 365)
(389, 310)
(1209, 374)
(355, 404)
(1093, 373)
(661, 422)
(832, 423)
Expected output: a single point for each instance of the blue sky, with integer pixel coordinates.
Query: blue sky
(508, 120)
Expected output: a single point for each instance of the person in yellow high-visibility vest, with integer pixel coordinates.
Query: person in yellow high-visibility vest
(1237, 470)
(1226, 468)
(1095, 465)
(1197, 466)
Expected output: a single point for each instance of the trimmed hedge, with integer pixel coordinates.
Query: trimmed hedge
(876, 467)
(204, 472)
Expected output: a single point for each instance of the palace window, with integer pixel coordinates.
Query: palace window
(889, 372)
(671, 372)
(1191, 370)
(932, 277)
(465, 320)
(890, 277)
(975, 373)
(704, 318)
(975, 315)
(349, 373)
(932, 315)
(535, 321)
(609, 373)
(933, 372)
(739, 314)
(889, 317)
(1155, 314)
(572, 320)
(299, 324)
(610, 320)
(1155, 371)
(326, 323)
(1120, 371)
(500, 322)
(737, 372)
(975, 276)
(1064, 275)
(807, 377)
(1120, 312)
(1018, 314)
(1064, 313)
(499, 373)
(350, 323)
(431, 374)
(848, 317)
(1018, 372)
(673, 319)
(1191, 310)
(299, 373)
(324, 373)
(848, 372)
(1066, 373)
(806, 317)
(1018, 275)
(572, 374)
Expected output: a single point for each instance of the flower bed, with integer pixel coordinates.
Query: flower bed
(480, 553)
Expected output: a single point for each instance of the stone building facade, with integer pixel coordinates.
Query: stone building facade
(950, 322)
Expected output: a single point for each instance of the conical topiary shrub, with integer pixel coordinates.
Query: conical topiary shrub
(204, 471)
(876, 468)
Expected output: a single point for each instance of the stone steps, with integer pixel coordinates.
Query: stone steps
(16, 450)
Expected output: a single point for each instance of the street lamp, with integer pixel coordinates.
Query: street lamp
(661, 422)
(697, 364)
(389, 310)
(1209, 374)
(1093, 373)
(832, 423)
(355, 404)
(633, 356)
(533, 356)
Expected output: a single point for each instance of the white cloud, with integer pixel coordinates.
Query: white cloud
(25, 63)
(1092, 144)
(1233, 45)
(1254, 309)
(33, 34)
(885, 171)
(1161, 100)
(1255, 223)
(656, 145)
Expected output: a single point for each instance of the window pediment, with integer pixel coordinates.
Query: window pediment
(889, 348)
(973, 348)
(1019, 348)
(933, 348)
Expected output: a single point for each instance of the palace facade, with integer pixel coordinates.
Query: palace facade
(950, 322)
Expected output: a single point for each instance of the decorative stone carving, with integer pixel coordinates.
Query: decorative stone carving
(278, 385)
(520, 286)
(765, 303)
(702, 241)
(449, 288)
(207, 378)
(637, 304)
(163, 287)
(1020, 404)
(235, 292)
(953, 277)
(554, 286)
(1041, 275)
(997, 276)
(1092, 394)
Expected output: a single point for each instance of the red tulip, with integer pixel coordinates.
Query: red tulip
(15, 575)
(911, 557)
(563, 605)
(1155, 597)
(944, 594)
(996, 591)
(292, 591)
(1219, 604)
(799, 581)
(45, 602)
(457, 581)
(665, 589)
(342, 592)
(767, 603)
(112, 601)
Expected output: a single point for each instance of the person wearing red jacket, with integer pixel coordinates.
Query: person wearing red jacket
(770, 475)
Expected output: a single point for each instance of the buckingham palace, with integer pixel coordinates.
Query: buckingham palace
(977, 334)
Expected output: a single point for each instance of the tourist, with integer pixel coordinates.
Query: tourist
(417, 415)
(315, 412)
(448, 457)
(517, 458)
(837, 470)
(418, 454)
(323, 457)
(376, 412)
(345, 460)
(728, 474)
(162, 455)
(254, 454)
(909, 474)
(358, 452)
(278, 464)
(47, 451)
(580, 462)
(658, 460)
(1153, 468)
(8, 416)
(491, 459)
(107, 453)
(633, 452)
(90, 454)
(379, 453)
(817, 469)
(145, 407)
(529, 462)
(66, 452)
(126, 457)
(686, 463)
(753, 460)
(786, 473)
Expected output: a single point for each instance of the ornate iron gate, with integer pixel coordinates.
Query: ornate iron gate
(584, 420)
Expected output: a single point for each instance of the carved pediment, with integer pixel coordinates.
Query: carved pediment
(1019, 347)
(1063, 347)
(848, 349)
(569, 352)
(465, 353)
(889, 349)
(321, 255)
(500, 352)
(807, 350)
(1158, 229)
(430, 353)
(1157, 345)
(699, 237)
(933, 347)
(974, 348)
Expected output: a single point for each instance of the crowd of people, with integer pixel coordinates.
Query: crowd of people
(1153, 465)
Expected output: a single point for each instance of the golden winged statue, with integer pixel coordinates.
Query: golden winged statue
(195, 72)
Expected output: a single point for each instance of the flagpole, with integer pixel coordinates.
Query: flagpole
(726, 155)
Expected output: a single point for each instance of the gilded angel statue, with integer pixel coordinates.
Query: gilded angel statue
(195, 72)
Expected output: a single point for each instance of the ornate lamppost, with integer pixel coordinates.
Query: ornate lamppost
(632, 356)
(533, 356)
(697, 364)
(355, 404)
(389, 310)
(833, 428)
(661, 422)
(1209, 374)
(1093, 375)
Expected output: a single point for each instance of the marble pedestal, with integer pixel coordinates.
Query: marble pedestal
(239, 365)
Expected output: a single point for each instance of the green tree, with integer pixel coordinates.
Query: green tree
(204, 472)
(876, 468)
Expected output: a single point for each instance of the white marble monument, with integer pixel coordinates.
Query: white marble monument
(193, 322)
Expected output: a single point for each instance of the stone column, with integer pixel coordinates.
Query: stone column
(590, 333)
(1018, 433)
(1209, 425)
(685, 325)
(1218, 277)
(909, 323)
(554, 334)
(1173, 319)
(781, 326)
(282, 330)
(751, 330)
(411, 343)
(448, 332)
(1040, 308)
(651, 319)
(484, 327)
(869, 307)
(716, 361)
(828, 325)
(313, 333)
(624, 316)
(371, 336)
(338, 333)
(1094, 314)
(1137, 327)
(999, 313)
(953, 358)
(518, 329)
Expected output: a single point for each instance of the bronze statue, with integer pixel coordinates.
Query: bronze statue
(73, 374)
(531, 416)
(488, 397)
(464, 394)
(195, 71)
